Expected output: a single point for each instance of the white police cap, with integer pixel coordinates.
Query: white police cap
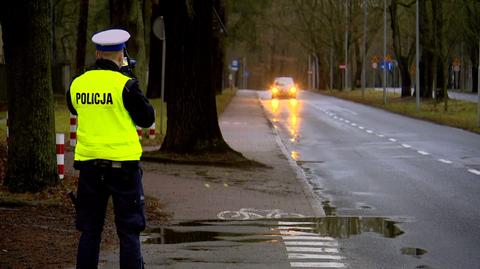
(110, 40)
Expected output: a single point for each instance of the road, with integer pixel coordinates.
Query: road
(406, 191)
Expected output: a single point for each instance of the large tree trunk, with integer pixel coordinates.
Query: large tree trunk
(218, 47)
(192, 115)
(81, 38)
(127, 14)
(403, 61)
(155, 58)
(427, 60)
(27, 44)
(357, 78)
(475, 64)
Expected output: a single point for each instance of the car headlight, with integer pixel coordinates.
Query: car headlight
(293, 90)
(274, 90)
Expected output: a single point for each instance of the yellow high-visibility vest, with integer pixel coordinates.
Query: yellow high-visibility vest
(105, 129)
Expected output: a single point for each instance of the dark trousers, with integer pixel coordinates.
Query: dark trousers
(96, 184)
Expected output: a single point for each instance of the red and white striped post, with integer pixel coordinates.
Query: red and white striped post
(151, 131)
(73, 130)
(60, 141)
(139, 132)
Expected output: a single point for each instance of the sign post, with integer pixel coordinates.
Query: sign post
(159, 32)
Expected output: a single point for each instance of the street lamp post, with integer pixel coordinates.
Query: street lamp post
(478, 86)
(159, 31)
(384, 51)
(364, 65)
(346, 45)
(417, 60)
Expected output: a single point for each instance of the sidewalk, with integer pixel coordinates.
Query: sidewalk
(192, 192)
(195, 193)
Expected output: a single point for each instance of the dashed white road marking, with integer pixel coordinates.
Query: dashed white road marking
(369, 131)
(474, 171)
(423, 152)
(380, 135)
(393, 139)
(361, 127)
(354, 124)
(318, 265)
(310, 243)
(311, 249)
(406, 146)
(314, 256)
(445, 161)
(347, 121)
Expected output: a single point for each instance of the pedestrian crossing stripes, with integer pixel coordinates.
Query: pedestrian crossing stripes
(307, 249)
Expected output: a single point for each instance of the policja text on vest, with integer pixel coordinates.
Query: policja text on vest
(94, 98)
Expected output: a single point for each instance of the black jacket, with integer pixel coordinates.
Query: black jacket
(137, 105)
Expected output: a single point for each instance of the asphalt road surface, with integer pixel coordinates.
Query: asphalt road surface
(403, 193)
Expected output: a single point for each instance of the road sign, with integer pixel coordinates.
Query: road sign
(159, 28)
(235, 65)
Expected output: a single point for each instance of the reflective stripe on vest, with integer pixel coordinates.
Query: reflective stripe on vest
(105, 128)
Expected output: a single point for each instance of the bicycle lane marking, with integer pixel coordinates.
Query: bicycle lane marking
(252, 213)
(307, 249)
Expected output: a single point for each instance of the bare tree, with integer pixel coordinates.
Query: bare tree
(404, 54)
(27, 44)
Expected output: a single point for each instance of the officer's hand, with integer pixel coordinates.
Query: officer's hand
(127, 72)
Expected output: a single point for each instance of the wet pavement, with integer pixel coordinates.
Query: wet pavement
(363, 162)
(327, 242)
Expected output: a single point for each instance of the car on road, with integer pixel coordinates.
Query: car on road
(284, 87)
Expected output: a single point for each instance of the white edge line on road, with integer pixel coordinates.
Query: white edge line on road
(423, 152)
(474, 171)
(445, 161)
(307, 188)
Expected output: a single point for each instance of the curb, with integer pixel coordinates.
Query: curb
(315, 204)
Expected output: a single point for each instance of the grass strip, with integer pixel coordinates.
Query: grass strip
(460, 114)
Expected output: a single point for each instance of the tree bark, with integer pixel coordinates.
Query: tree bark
(192, 125)
(27, 44)
(127, 15)
(403, 61)
(81, 38)
(154, 86)
(218, 47)
(427, 60)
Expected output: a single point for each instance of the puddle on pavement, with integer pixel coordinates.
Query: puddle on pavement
(415, 252)
(265, 231)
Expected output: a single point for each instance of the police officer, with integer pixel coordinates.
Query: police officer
(109, 104)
